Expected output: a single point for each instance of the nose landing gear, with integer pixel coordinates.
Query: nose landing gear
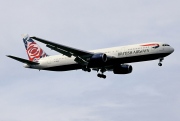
(160, 64)
(160, 61)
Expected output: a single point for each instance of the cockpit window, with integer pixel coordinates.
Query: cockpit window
(165, 45)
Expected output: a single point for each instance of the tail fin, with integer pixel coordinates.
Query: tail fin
(34, 52)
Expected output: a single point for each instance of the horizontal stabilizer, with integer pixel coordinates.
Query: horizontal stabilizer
(22, 60)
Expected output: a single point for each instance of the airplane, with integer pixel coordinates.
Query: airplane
(113, 59)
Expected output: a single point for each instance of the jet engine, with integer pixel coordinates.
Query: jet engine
(98, 60)
(123, 69)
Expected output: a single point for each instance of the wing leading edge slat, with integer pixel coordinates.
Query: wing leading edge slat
(64, 49)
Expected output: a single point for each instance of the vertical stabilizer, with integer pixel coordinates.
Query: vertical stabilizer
(34, 52)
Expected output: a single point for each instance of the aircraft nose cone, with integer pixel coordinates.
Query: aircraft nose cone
(172, 50)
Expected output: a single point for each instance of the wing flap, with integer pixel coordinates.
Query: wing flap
(23, 60)
(81, 61)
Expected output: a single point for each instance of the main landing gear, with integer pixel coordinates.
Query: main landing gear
(86, 69)
(101, 75)
(160, 61)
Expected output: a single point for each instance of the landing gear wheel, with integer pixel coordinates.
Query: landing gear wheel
(101, 76)
(160, 60)
(86, 69)
(160, 64)
(89, 70)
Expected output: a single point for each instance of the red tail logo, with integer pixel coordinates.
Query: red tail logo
(33, 50)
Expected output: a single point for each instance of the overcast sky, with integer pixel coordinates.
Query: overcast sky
(150, 93)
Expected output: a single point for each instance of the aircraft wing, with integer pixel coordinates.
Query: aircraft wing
(22, 60)
(65, 50)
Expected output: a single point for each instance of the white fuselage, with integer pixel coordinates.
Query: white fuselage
(123, 54)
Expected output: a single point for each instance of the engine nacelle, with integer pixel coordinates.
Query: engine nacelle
(98, 60)
(123, 69)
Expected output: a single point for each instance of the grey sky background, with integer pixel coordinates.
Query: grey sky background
(149, 93)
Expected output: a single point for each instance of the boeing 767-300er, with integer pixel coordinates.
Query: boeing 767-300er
(110, 59)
